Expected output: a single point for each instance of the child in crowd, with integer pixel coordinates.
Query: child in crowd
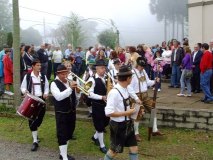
(8, 71)
(157, 66)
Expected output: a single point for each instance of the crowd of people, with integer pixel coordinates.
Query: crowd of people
(113, 80)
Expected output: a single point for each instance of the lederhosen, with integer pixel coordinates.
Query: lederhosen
(122, 134)
(65, 115)
(100, 120)
(143, 96)
(34, 124)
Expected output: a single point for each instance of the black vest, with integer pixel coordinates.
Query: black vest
(100, 89)
(29, 82)
(66, 105)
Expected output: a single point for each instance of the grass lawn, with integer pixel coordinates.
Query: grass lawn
(177, 144)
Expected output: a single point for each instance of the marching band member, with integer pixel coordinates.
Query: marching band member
(114, 71)
(64, 100)
(36, 84)
(138, 90)
(97, 93)
(90, 71)
(118, 109)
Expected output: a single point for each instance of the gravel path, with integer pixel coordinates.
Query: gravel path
(17, 151)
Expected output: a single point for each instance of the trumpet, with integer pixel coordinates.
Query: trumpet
(86, 85)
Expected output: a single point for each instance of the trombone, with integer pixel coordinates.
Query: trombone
(86, 85)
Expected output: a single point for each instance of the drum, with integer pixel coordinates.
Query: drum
(30, 107)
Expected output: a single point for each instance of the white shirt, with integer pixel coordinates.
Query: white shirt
(91, 90)
(57, 94)
(194, 55)
(35, 79)
(175, 54)
(133, 88)
(57, 56)
(110, 64)
(113, 73)
(49, 53)
(115, 102)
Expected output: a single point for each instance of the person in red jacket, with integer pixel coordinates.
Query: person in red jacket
(8, 71)
(206, 66)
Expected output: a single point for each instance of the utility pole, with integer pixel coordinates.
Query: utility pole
(44, 30)
(16, 54)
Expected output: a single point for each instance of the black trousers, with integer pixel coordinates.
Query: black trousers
(34, 124)
(99, 118)
(195, 81)
(49, 69)
(65, 126)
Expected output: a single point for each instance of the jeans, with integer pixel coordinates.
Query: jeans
(176, 73)
(184, 81)
(1, 85)
(205, 84)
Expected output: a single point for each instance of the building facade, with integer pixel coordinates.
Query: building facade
(200, 21)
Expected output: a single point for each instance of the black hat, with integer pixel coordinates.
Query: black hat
(116, 61)
(141, 61)
(35, 61)
(61, 68)
(124, 71)
(100, 62)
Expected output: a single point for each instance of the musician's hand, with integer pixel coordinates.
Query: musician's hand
(73, 84)
(45, 96)
(104, 98)
(130, 111)
(138, 101)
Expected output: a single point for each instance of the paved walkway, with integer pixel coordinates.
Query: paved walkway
(168, 98)
(15, 151)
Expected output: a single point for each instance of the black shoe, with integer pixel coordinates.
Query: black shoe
(90, 115)
(203, 100)
(208, 101)
(176, 86)
(196, 91)
(171, 86)
(34, 147)
(73, 138)
(96, 141)
(103, 150)
(68, 156)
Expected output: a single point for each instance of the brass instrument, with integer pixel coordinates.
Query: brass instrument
(109, 82)
(86, 85)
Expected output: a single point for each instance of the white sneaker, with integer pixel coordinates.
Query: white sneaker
(9, 93)
(159, 90)
(187, 95)
(180, 95)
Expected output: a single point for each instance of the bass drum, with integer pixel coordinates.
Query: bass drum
(30, 107)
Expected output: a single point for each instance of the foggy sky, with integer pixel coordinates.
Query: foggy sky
(132, 18)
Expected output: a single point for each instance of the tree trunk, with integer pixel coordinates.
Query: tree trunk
(177, 29)
(182, 27)
(16, 54)
(173, 27)
(165, 29)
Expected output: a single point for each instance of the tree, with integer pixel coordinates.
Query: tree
(107, 38)
(27, 34)
(5, 16)
(170, 11)
(76, 30)
(16, 53)
(5, 21)
(10, 39)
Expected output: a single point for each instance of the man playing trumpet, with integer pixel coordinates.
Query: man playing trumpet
(64, 100)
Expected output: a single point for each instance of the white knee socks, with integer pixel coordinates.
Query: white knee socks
(136, 125)
(63, 151)
(35, 136)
